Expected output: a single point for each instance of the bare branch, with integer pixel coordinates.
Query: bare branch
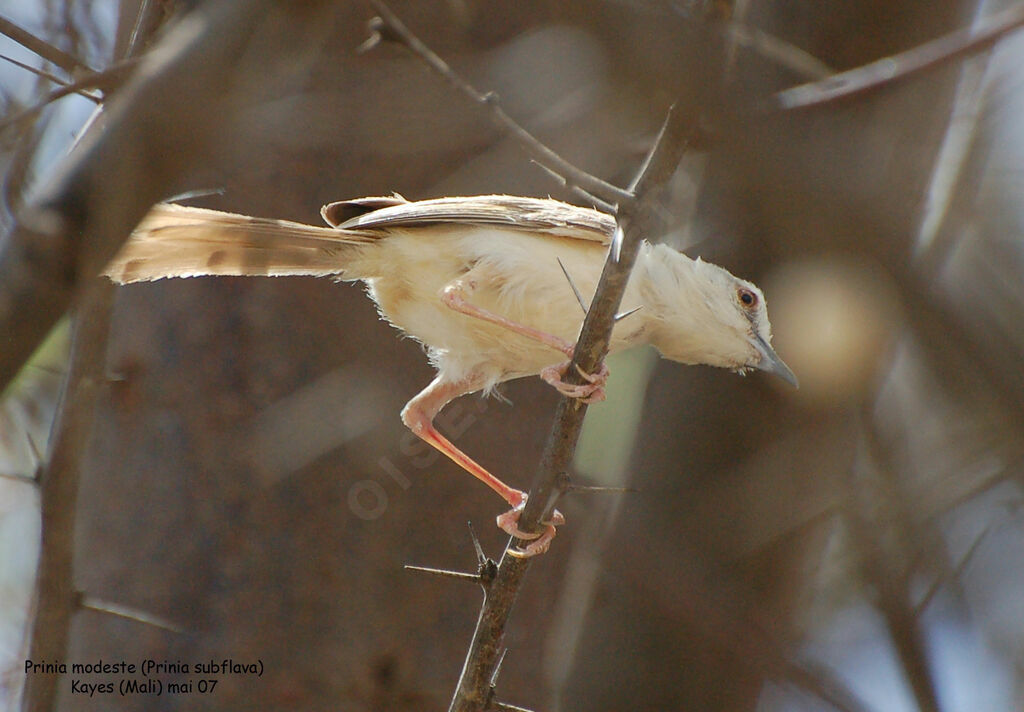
(56, 599)
(950, 47)
(926, 600)
(47, 76)
(44, 49)
(152, 139)
(105, 81)
(779, 51)
(389, 27)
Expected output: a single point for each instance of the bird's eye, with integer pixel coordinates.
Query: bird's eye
(747, 298)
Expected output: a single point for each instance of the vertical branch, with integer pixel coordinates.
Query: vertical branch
(53, 254)
(152, 138)
(879, 523)
(57, 599)
(635, 220)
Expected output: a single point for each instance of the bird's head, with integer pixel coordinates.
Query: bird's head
(706, 315)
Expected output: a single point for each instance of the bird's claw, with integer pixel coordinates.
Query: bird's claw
(590, 392)
(539, 543)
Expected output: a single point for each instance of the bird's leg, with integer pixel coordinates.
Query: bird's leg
(454, 297)
(418, 415)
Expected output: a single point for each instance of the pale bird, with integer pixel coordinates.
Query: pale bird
(488, 284)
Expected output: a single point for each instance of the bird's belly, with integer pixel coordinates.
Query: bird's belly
(507, 275)
(460, 343)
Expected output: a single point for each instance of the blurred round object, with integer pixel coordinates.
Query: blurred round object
(833, 319)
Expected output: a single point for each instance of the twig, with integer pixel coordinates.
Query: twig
(878, 523)
(105, 81)
(708, 608)
(921, 606)
(49, 76)
(387, 26)
(44, 49)
(91, 603)
(954, 45)
(779, 51)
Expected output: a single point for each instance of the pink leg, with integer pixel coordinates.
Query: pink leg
(454, 297)
(418, 415)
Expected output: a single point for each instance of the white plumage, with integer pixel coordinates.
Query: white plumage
(469, 277)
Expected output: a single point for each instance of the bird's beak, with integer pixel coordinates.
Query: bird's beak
(771, 362)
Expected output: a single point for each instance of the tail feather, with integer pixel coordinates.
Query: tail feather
(179, 241)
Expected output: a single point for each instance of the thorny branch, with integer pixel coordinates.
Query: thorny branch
(387, 26)
(475, 690)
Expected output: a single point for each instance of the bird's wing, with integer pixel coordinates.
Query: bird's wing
(179, 241)
(368, 215)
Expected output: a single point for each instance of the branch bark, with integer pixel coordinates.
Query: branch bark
(636, 220)
(72, 231)
(56, 596)
(151, 140)
(942, 50)
(56, 56)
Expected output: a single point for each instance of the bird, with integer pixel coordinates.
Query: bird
(491, 285)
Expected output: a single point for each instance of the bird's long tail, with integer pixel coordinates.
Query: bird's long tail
(179, 241)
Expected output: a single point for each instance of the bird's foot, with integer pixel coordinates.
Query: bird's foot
(590, 392)
(539, 543)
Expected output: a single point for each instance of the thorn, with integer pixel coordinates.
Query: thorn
(373, 40)
(596, 202)
(27, 479)
(380, 31)
(457, 575)
(617, 238)
(197, 193)
(650, 153)
(497, 669)
(132, 614)
(551, 172)
(480, 557)
(579, 297)
(599, 489)
(37, 455)
(505, 707)
(619, 317)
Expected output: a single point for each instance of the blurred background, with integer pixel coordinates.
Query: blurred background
(855, 544)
